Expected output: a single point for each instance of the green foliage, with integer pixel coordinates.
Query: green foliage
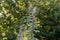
(12, 15)
(49, 16)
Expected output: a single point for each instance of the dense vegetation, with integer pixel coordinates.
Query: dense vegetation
(12, 13)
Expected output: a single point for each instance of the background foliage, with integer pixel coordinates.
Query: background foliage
(12, 14)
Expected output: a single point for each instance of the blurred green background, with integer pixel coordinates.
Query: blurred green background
(12, 13)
